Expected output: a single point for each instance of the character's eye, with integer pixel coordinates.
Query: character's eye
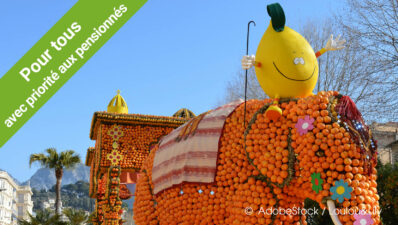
(320, 153)
(300, 60)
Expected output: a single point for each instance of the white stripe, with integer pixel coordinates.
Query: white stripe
(209, 162)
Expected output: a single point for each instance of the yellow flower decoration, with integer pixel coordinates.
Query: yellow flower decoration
(115, 132)
(115, 157)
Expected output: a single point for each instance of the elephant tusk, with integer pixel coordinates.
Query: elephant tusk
(331, 208)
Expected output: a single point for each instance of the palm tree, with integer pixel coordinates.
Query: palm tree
(43, 218)
(75, 217)
(58, 162)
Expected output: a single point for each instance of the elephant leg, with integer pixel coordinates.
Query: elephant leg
(144, 204)
(290, 210)
(290, 207)
(192, 204)
(251, 203)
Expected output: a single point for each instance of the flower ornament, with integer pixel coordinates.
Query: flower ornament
(341, 190)
(115, 132)
(316, 181)
(304, 125)
(115, 157)
(363, 219)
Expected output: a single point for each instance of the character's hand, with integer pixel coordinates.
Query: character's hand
(335, 44)
(248, 61)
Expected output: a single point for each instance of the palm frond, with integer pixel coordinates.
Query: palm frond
(41, 158)
(53, 157)
(75, 217)
(43, 217)
(68, 159)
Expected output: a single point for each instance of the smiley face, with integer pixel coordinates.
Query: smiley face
(288, 64)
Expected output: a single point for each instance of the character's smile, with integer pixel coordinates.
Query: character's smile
(292, 78)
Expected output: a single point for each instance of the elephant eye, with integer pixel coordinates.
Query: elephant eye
(320, 153)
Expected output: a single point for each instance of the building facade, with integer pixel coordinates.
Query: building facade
(15, 200)
(386, 135)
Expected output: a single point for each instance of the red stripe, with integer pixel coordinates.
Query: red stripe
(177, 130)
(212, 118)
(209, 131)
(186, 155)
(212, 131)
(187, 170)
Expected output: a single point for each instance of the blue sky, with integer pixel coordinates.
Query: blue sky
(171, 54)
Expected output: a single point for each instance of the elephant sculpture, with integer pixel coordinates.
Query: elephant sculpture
(320, 148)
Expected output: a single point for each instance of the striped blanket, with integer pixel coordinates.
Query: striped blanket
(189, 153)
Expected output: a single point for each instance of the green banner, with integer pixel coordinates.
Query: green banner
(59, 54)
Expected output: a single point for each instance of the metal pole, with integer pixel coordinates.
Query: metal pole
(247, 53)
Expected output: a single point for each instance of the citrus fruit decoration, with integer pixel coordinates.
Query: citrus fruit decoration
(285, 63)
(123, 142)
(269, 164)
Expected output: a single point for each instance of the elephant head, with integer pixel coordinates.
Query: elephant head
(319, 149)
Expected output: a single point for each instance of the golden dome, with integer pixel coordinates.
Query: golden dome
(118, 104)
(184, 113)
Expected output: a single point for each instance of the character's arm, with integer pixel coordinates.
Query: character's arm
(248, 61)
(331, 45)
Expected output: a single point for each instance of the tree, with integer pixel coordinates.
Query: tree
(43, 218)
(350, 71)
(374, 25)
(58, 162)
(387, 187)
(75, 217)
(236, 87)
(321, 218)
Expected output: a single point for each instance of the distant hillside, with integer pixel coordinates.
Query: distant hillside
(72, 195)
(45, 178)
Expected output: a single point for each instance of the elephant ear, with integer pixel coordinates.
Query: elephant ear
(277, 15)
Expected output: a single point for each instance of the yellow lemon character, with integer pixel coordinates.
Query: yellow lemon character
(285, 63)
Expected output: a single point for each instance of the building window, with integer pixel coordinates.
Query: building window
(20, 211)
(20, 198)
